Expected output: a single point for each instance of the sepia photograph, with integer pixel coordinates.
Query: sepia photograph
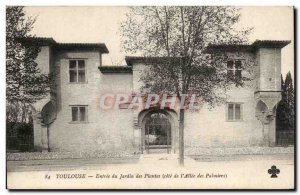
(150, 97)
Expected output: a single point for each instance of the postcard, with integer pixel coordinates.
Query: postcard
(152, 97)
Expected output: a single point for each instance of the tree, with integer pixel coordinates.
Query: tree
(179, 36)
(25, 84)
(282, 110)
(290, 99)
(285, 115)
(285, 112)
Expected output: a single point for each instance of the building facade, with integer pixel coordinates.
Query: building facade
(71, 119)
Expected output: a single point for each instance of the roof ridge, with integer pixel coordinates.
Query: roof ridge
(80, 43)
(248, 47)
(43, 41)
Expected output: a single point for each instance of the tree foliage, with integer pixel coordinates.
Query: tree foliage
(180, 35)
(25, 84)
(285, 113)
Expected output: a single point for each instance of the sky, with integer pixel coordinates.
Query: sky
(102, 25)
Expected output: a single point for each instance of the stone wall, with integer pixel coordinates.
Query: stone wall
(209, 126)
(105, 130)
(269, 69)
(43, 59)
(117, 130)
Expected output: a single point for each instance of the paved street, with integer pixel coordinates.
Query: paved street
(168, 159)
(66, 164)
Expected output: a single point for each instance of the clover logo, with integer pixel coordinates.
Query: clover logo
(273, 171)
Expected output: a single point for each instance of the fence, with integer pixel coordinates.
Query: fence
(285, 138)
(19, 137)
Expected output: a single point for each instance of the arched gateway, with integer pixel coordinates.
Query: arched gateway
(158, 131)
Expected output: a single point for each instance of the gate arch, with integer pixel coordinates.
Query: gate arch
(158, 131)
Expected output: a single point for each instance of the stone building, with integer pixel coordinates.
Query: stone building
(70, 118)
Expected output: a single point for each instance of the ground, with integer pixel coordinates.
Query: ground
(155, 171)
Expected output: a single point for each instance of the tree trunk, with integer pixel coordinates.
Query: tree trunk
(181, 137)
(48, 139)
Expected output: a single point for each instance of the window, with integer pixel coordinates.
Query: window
(234, 111)
(79, 113)
(234, 69)
(77, 71)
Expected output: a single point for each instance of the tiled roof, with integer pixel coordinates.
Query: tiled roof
(247, 47)
(115, 69)
(43, 41)
(100, 46)
(271, 43)
(130, 60)
(40, 41)
(134, 59)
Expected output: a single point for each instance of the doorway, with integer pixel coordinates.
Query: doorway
(157, 133)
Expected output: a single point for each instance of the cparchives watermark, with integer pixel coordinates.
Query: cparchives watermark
(125, 101)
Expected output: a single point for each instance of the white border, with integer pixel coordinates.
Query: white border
(3, 3)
